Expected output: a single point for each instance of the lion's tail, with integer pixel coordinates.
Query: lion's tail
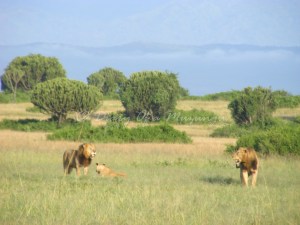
(121, 174)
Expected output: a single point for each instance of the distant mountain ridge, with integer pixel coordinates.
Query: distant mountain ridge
(139, 47)
(203, 69)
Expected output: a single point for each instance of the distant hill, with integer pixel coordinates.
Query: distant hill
(202, 69)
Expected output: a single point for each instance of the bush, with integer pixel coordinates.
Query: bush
(286, 100)
(33, 125)
(282, 140)
(152, 93)
(60, 96)
(297, 119)
(234, 130)
(108, 81)
(117, 132)
(253, 106)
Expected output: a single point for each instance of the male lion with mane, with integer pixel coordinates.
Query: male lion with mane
(79, 158)
(247, 160)
(105, 171)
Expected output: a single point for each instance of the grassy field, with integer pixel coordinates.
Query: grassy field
(166, 183)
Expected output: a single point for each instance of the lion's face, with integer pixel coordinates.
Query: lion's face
(88, 150)
(100, 168)
(239, 155)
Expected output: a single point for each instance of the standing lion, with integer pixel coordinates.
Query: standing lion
(79, 158)
(247, 160)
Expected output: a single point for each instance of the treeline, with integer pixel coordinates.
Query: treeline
(283, 98)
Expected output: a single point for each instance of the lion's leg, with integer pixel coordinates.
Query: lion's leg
(85, 170)
(78, 170)
(69, 169)
(65, 171)
(65, 163)
(254, 178)
(244, 177)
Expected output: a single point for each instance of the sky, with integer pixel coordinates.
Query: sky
(103, 23)
(114, 22)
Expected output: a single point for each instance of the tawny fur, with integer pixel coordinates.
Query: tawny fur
(79, 158)
(105, 171)
(246, 159)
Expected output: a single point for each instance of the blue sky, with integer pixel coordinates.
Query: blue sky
(102, 23)
(113, 22)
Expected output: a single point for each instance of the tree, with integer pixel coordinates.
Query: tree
(253, 106)
(151, 94)
(12, 78)
(35, 69)
(61, 96)
(108, 80)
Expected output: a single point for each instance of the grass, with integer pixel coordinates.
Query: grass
(162, 187)
(217, 107)
(192, 183)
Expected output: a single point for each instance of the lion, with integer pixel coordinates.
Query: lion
(246, 159)
(105, 171)
(79, 158)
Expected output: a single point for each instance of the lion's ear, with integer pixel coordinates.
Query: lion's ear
(97, 164)
(81, 148)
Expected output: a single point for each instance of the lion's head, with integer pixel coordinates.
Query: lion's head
(100, 168)
(240, 156)
(88, 150)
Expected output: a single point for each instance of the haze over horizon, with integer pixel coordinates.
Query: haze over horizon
(162, 35)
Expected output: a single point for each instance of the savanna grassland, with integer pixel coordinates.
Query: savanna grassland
(193, 183)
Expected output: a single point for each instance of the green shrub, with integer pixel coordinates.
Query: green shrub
(282, 140)
(108, 81)
(152, 94)
(283, 99)
(119, 133)
(286, 100)
(33, 125)
(226, 96)
(60, 96)
(26, 125)
(297, 119)
(8, 97)
(253, 106)
(234, 130)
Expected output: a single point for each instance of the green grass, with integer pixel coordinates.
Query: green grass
(160, 188)
(6, 97)
(28, 125)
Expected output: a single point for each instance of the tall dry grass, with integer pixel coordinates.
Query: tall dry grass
(166, 183)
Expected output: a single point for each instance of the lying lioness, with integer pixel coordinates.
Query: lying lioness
(104, 171)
